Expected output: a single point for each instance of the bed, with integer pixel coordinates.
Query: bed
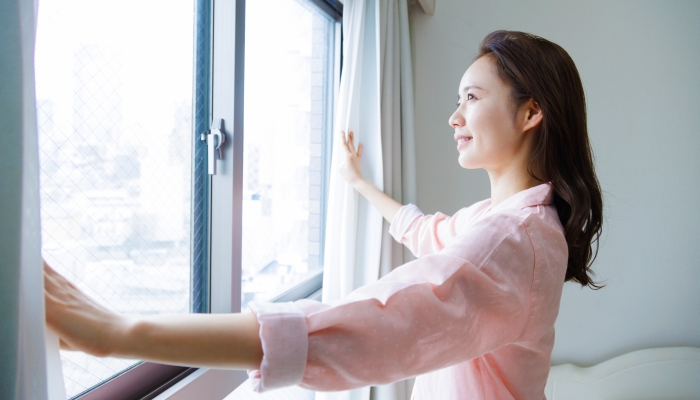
(670, 373)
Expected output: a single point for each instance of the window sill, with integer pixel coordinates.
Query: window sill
(205, 384)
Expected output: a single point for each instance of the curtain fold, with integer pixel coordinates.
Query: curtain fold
(352, 223)
(30, 361)
(353, 226)
(375, 101)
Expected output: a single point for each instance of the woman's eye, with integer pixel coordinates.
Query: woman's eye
(470, 96)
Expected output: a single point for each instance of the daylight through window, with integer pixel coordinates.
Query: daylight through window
(114, 99)
(288, 105)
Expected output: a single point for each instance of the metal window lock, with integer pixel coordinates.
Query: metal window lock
(214, 139)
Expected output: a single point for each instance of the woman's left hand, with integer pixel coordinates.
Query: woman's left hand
(80, 322)
(350, 168)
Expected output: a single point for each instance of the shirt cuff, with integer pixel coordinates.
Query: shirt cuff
(403, 220)
(285, 342)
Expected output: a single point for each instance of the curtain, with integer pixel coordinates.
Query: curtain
(398, 144)
(375, 101)
(29, 359)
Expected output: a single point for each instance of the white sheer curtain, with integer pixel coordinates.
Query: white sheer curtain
(29, 358)
(376, 102)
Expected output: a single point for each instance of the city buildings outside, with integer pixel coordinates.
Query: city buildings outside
(115, 134)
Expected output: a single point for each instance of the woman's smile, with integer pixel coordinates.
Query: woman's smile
(462, 141)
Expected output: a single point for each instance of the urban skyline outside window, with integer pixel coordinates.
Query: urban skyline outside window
(114, 101)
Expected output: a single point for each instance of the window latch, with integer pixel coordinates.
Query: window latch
(214, 139)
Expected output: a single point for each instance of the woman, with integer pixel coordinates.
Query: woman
(473, 316)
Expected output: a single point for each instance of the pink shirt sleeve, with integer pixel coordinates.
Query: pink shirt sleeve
(428, 234)
(470, 298)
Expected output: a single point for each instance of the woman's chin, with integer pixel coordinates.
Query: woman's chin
(467, 162)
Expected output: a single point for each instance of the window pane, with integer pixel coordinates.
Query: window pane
(288, 77)
(114, 97)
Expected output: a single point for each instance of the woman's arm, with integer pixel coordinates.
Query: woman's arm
(352, 173)
(422, 234)
(212, 340)
(439, 310)
(198, 340)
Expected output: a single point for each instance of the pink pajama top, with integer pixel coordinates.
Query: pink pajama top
(471, 318)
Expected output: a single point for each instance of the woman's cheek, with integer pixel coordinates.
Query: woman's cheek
(485, 135)
(472, 156)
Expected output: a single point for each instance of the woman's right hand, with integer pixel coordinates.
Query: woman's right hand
(350, 169)
(199, 340)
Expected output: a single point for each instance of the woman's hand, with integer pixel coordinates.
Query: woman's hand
(350, 168)
(350, 171)
(201, 340)
(80, 322)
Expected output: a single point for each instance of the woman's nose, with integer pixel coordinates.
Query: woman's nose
(456, 120)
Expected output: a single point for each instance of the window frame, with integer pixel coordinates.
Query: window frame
(222, 55)
(228, 63)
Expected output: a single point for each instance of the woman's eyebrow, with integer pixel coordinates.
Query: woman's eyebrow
(466, 88)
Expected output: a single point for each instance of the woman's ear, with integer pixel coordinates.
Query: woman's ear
(531, 115)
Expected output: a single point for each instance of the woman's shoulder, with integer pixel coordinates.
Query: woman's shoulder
(513, 242)
(533, 227)
(497, 235)
(539, 226)
(538, 217)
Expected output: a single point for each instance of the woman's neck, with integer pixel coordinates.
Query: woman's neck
(509, 182)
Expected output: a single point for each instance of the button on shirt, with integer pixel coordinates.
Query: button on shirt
(471, 318)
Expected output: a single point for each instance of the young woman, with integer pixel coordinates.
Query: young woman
(473, 316)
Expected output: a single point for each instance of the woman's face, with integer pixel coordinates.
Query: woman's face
(487, 128)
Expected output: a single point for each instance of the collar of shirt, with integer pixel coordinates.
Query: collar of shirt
(536, 195)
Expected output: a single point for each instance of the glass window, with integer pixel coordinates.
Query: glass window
(114, 97)
(289, 76)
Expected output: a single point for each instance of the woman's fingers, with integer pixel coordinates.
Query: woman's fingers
(346, 143)
(49, 272)
(351, 141)
(54, 280)
(64, 346)
(359, 151)
(80, 322)
(51, 284)
(55, 284)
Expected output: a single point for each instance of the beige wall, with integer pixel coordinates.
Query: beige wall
(639, 61)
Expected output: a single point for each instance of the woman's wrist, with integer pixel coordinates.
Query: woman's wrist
(142, 337)
(362, 185)
(387, 206)
(123, 333)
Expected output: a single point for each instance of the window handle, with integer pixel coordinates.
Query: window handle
(214, 139)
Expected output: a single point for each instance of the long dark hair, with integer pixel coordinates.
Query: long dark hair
(538, 69)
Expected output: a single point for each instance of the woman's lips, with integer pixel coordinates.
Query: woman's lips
(463, 141)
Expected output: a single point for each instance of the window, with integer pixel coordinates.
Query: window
(289, 78)
(129, 212)
(114, 99)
